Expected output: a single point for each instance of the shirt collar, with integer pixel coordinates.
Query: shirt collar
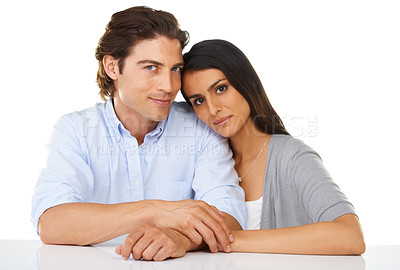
(112, 119)
(159, 130)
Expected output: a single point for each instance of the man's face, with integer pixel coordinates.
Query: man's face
(149, 81)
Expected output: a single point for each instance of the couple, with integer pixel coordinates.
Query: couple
(144, 166)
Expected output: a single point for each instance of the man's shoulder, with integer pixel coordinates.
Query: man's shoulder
(183, 119)
(182, 108)
(80, 121)
(181, 112)
(85, 115)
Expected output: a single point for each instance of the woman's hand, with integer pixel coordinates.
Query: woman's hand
(196, 220)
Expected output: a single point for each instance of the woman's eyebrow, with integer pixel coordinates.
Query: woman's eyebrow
(194, 96)
(214, 84)
(209, 88)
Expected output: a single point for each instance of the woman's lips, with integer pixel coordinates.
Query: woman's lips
(222, 121)
(162, 102)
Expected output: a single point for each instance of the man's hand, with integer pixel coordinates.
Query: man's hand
(198, 221)
(152, 243)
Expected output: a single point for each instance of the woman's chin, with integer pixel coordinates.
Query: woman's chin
(225, 132)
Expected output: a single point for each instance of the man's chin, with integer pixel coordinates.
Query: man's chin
(160, 117)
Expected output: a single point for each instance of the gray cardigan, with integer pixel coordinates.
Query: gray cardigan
(298, 190)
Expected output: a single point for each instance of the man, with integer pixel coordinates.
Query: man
(132, 164)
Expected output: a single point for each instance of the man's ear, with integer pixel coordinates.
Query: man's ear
(110, 65)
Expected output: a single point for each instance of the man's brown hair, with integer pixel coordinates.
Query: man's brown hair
(125, 29)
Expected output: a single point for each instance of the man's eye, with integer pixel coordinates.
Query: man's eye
(151, 67)
(176, 69)
(198, 101)
(221, 89)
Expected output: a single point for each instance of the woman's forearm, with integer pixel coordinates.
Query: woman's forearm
(340, 237)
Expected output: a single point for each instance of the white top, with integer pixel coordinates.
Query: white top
(254, 214)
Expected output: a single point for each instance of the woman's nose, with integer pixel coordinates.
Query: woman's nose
(214, 107)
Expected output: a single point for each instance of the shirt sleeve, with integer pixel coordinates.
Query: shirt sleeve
(67, 177)
(215, 180)
(318, 195)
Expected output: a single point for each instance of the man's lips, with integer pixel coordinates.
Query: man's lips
(222, 121)
(162, 102)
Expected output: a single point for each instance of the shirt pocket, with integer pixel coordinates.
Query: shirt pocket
(171, 190)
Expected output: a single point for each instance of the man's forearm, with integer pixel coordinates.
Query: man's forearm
(92, 223)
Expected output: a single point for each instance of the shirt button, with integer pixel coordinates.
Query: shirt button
(137, 182)
(143, 146)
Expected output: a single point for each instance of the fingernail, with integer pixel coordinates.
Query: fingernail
(231, 238)
(228, 248)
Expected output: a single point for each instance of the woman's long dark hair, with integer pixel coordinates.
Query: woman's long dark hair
(226, 57)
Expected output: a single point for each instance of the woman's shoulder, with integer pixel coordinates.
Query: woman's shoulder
(287, 142)
(287, 147)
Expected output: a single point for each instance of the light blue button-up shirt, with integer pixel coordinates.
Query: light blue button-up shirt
(93, 158)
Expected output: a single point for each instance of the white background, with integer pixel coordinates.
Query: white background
(330, 68)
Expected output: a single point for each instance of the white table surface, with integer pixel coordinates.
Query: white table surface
(31, 254)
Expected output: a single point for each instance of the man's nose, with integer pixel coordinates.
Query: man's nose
(165, 82)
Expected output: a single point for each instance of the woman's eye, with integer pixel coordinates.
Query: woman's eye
(151, 67)
(221, 89)
(198, 101)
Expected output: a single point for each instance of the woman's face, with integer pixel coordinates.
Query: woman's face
(216, 102)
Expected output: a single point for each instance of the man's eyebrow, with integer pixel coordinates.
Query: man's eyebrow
(178, 64)
(209, 88)
(153, 62)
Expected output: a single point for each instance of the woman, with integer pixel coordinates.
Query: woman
(293, 204)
